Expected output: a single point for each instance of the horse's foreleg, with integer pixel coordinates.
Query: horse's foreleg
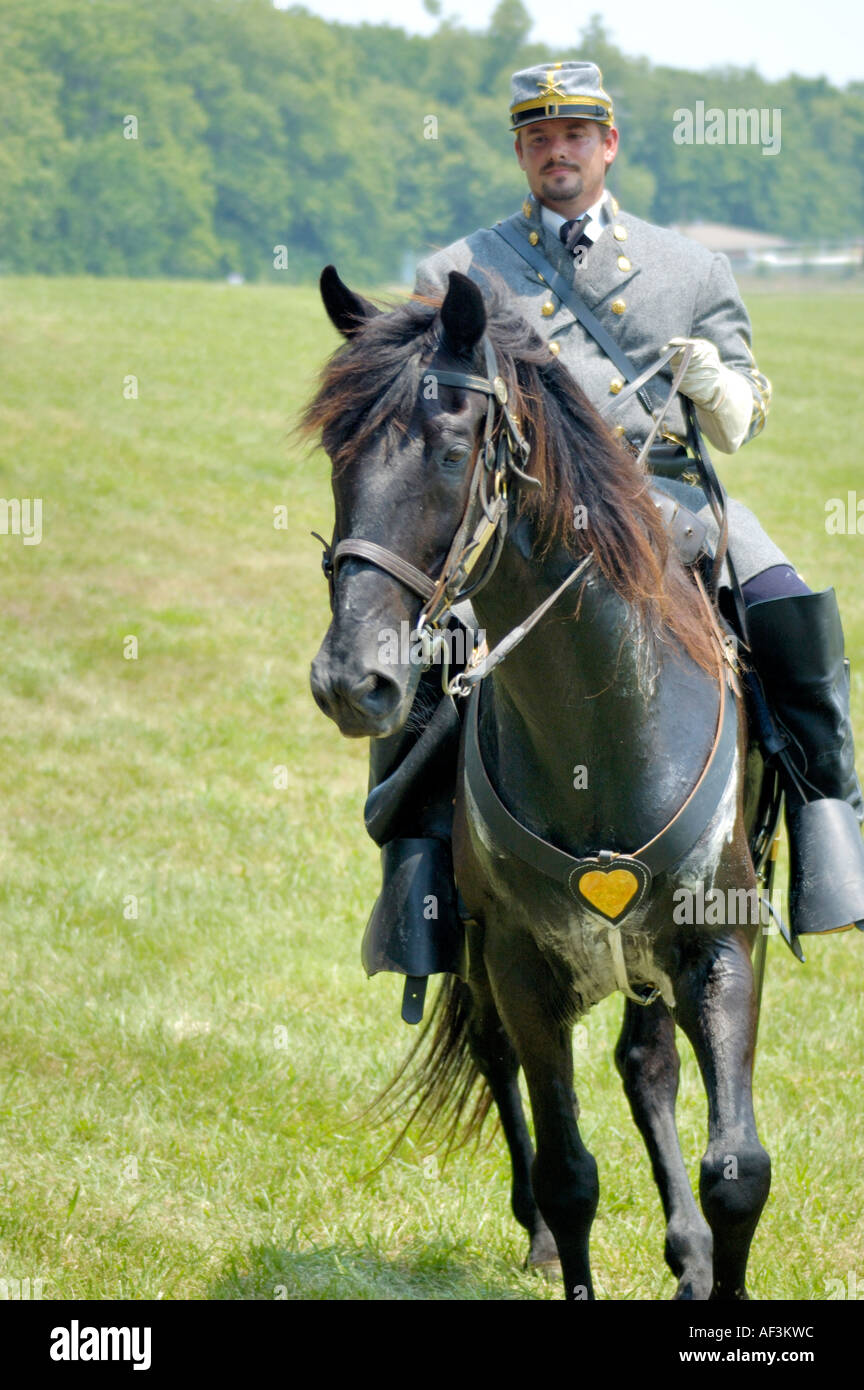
(496, 1058)
(564, 1173)
(647, 1060)
(716, 1006)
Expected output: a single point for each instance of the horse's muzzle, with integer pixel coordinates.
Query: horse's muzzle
(362, 703)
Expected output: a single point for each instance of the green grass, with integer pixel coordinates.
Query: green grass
(179, 1088)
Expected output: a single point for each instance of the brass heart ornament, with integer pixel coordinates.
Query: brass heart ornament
(613, 887)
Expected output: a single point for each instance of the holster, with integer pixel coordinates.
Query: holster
(415, 928)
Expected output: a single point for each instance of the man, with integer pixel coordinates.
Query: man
(648, 287)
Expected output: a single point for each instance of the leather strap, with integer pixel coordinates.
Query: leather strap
(464, 380)
(632, 387)
(667, 848)
(475, 672)
(568, 296)
(644, 452)
(386, 560)
(716, 494)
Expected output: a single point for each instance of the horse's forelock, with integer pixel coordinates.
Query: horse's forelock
(370, 384)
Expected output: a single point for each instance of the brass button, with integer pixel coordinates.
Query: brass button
(547, 308)
(616, 385)
(555, 348)
(618, 431)
(619, 233)
(618, 306)
(533, 238)
(623, 263)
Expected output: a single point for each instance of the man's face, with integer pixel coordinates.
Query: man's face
(565, 161)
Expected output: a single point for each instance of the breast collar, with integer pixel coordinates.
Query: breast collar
(612, 884)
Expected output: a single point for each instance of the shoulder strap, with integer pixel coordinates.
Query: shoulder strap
(568, 296)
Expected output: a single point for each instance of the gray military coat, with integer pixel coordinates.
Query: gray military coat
(645, 284)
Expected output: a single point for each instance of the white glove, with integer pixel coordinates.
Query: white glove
(723, 398)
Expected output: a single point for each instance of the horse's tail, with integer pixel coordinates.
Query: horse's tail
(437, 1082)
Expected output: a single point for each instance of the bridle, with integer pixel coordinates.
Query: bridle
(494, 467)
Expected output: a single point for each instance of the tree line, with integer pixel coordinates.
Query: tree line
(210, 137)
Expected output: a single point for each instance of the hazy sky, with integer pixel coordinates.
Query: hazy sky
(824, 38)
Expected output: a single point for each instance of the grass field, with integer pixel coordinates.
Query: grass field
(187, 1033)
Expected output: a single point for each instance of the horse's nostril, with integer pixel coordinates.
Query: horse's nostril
(359, 705)
(375, 694)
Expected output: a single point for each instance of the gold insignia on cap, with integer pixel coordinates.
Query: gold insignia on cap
(547, 308)
(616, 385)
(555, 348)
(623, 263)
(526, 208)
(619, 233)
(533, 238)
(550, 87)
(618, 306)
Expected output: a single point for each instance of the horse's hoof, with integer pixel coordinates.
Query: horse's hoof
(692, 1289)
(548, 1269)
(543, 1254)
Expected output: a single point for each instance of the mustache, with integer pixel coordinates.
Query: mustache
(548, 168)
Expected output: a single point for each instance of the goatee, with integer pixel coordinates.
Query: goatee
(563, 192)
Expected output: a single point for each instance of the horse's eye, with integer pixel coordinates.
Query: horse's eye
(456, 454)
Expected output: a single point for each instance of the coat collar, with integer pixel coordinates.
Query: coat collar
(607, 268)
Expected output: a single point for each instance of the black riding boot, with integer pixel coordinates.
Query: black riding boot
(415, 928)
(797, 649)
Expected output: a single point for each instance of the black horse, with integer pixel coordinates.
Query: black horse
(620, 680)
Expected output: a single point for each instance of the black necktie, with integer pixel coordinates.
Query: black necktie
(573, 233)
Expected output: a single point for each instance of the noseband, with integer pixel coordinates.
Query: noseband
(495, 464)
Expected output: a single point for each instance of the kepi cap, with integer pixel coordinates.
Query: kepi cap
(550, 91)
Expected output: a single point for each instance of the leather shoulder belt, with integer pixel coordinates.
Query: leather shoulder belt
(567, 294)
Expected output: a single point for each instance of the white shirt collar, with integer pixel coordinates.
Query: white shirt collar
(554, 220)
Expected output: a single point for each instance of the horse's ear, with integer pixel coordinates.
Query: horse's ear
(463, 315)
(348, 311)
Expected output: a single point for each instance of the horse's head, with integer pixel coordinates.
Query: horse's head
(416, 411)
(402, 445)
